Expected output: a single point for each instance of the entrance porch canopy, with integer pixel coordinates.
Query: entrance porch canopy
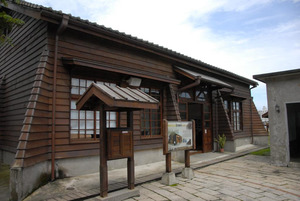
(115, 98)
(195, 75)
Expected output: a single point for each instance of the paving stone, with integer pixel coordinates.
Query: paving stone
(229, 192)
(251, 189)
(197, 199)
(229, 198)
(209, 191)
(251, 194)
(239, 179)
(270, 195)
(206, 196)
(185, 195)
(292, 197)
(157, 184)
(245, 198)
(265, 199)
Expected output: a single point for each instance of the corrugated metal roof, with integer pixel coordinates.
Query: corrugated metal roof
(205, 77)
(140, 41)
(128, 94)
(116, 97)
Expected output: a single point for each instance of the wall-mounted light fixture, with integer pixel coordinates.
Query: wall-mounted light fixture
(277, 108)
(134, 81)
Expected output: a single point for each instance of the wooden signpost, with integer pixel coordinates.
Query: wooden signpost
(177, 135)
(115, 144)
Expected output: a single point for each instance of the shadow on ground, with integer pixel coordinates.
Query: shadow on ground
(4, 182)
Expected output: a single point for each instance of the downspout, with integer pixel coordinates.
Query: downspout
(252, 140)
(63, 25)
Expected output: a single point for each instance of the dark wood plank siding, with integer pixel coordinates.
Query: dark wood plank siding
(258, 127)
(171, 104)
(34, 142)
(72, 44)
(19, 64)
(250, 116)
(26, 101)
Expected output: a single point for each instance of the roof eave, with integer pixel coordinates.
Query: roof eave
(55, 17)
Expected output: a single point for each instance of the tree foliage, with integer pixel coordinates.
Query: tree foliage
(7, 22)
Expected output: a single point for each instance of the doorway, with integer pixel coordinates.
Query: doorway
(202, 116)
(293, 116)
(195, 112)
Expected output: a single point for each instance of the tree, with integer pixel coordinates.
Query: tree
(7, 22)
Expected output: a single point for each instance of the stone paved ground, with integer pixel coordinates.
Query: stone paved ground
(245, 178)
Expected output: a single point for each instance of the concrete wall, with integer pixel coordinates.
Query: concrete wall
(234, 145)
(88, 165)
(281, 91)
(7, 157)
(25, 180)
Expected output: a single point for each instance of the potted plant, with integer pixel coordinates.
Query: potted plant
(221, 140)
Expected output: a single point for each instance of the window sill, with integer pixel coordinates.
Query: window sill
(151, 137)
(83, 141)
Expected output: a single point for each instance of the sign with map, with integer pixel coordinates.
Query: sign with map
(179, 135)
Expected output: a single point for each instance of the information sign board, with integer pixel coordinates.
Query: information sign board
(179, 135)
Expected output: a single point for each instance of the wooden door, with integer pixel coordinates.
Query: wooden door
(207, 131)
(195, 113)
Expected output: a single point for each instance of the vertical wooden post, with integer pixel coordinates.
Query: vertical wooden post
(130, 160)
(168, 163)
(130, 172)
(103, 155)
(187, 158)
(130, 120)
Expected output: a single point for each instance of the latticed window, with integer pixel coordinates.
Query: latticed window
(185, 94)
(234, 111)
(237, 115)
(85, 124)
(150, 118)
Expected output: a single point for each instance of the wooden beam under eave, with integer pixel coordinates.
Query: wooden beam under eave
(118, 69)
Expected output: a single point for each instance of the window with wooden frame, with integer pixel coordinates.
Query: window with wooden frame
(201, 94)
(234, 111)
(151, 119)
(186, 94)
(85, 124)
(237, 115)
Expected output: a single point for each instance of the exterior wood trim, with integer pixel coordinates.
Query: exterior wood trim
(101, 66)
(35, 146)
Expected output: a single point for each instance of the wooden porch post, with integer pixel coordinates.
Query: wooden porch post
(130, 160)
(187, 158)
(103, 155)
(168, 163)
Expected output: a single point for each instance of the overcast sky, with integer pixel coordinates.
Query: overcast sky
(246, 37)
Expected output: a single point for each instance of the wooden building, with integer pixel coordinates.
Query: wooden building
(54, 59)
